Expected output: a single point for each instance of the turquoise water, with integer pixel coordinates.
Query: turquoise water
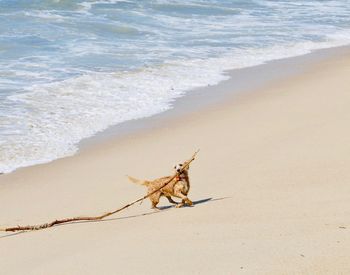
(69, 69)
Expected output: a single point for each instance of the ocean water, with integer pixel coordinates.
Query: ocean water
(71, 68)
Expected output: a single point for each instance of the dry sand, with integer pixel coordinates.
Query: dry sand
(272, 186)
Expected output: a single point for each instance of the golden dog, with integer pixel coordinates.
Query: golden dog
(178, 187)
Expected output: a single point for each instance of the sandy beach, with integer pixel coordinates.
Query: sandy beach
(270, 186)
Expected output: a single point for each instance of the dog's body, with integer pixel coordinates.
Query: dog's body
(178, 187)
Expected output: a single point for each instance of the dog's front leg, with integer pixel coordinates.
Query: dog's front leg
(185, 199)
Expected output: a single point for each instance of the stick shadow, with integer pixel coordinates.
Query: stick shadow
(153, 212)
(13, 234)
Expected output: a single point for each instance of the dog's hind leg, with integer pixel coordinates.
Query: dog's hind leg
(155, 200)
(171, 200)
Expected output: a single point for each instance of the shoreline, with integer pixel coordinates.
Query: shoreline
(203, 98)
(270, 187)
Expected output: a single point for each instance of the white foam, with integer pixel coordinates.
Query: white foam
(61, 114)
(46, 14)
(86, 6)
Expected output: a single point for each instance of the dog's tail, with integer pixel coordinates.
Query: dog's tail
(142, 182)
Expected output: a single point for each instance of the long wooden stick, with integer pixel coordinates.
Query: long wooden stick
(94, 218)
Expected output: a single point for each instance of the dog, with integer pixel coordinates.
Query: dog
(177, 187)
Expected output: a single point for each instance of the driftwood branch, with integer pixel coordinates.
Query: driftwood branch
(94, 218)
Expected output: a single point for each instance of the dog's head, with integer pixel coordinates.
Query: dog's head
(180, 167)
